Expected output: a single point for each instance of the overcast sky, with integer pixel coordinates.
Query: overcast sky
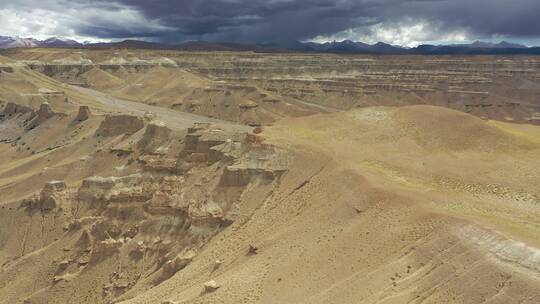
(403, 22)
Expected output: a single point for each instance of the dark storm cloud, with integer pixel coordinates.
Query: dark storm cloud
(486, 17)
(243, 20)
(258, 20)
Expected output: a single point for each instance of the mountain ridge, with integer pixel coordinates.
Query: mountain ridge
(340, 47)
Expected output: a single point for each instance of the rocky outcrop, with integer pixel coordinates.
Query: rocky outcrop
(246, 156)
(104, 249)
(155, 138)
(38, 117)
(205, 213)
(247, 105)
(211, 286)
(45, 112)
(6, 69)
(200, 140)
(53, 196)
(114, 125)
(97, 192)
(13, 109)
(177, 263)
(149, 116)
(258, 162)
(154, 222)
(227, 152)
(83, 114)
(153, 163)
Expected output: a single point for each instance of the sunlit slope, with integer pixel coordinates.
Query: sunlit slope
(383, 205)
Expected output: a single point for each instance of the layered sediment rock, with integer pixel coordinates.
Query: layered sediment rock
(12, 109)
(153, 163)
(45, 111)
(155, 138)
(262, 163)
(83, 114)
(247, 157)
(202, 138)
(177, 263)
(41, 115)
(96, 192)
(253, 160)
(227, 151)
(114, 125)
(53, 196)
(152, 222)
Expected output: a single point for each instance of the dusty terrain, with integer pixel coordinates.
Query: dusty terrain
(173, 177)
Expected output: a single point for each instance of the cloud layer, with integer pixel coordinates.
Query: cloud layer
(405, 22)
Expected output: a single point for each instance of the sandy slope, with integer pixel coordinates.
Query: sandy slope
(373, 212)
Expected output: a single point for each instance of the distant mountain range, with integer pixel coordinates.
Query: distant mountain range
(342, 47)
(14, 42)
(351, 47)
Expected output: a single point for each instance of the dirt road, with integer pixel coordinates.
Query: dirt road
(174, 119)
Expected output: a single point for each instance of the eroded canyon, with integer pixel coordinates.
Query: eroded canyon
(139, 176)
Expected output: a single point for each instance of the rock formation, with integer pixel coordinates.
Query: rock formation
(202, 138)
(259, 161)
(41, 115)
(54, 196)
(176, 264)
(114, 125)
(211, 286)
(155, 138)
(83, 114)
(45, 112)
(12, 109)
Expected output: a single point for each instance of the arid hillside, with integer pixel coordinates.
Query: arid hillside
(257, 88)
(172, 177)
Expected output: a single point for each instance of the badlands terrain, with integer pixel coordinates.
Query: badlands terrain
(138, 176)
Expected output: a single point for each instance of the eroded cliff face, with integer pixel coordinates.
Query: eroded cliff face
(106, 235)
(259, 89)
